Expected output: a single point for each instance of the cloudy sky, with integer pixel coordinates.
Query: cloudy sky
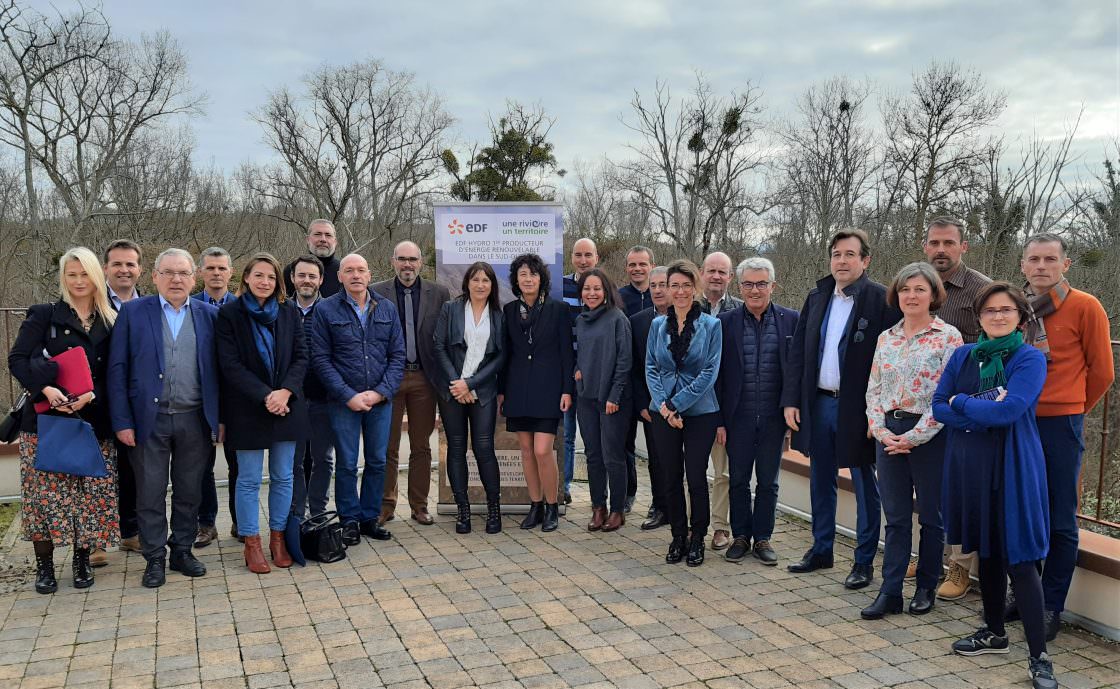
(582, 59)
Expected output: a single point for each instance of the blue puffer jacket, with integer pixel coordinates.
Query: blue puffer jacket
(349, 358)
(692, 387)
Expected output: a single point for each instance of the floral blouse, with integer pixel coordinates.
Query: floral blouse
(904, 376)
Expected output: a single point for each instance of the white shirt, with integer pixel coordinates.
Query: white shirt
(476, 335)
(838, 314)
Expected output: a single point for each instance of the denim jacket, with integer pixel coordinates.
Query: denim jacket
(692, 387)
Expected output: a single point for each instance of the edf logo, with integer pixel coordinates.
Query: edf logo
(455, 226)
(476, 227)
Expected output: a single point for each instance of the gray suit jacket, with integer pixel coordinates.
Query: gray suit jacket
(432, 298)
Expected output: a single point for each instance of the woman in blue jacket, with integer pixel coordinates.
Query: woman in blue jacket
(682, 361)
(994, 491)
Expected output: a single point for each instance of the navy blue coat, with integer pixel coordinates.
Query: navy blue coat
(136, 366)
(349, 358)
(870, 316)
(729, 384)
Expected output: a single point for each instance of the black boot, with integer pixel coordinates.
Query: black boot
(695, 556)
(493, 516)
(463, 520)
(83, 573)
(44, 567)
(535, 516)
(551, 516)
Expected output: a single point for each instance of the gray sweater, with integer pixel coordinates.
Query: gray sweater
(604, 354)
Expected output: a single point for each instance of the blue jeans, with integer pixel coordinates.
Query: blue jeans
(822, 488)
(311, 487)
(754, 446)
(569, 446)
(903, 480)
(1062, 446)
(350, 430)
(250, 464)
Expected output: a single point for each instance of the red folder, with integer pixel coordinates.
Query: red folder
(74, 377)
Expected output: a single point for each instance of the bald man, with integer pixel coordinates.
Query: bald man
(585, 256)
(418, 305)
(357, 349)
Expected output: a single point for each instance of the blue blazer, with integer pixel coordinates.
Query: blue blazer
(729, 385)
(692, 387)
(135, 378)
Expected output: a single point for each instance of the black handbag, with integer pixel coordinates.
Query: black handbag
(320, 538)
(10, 426)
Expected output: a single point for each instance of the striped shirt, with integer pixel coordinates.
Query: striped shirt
(961, 288)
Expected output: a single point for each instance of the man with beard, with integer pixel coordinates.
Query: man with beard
(322, 242)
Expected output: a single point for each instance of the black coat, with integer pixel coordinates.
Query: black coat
(870, 316)
(55, 328)
(330, 286)
(245, 382)
(450, 351)
(639, 328)
(537, 374)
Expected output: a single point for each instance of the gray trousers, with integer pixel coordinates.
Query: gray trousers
(179, 447)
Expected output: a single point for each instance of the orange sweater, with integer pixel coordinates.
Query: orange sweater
(1081, 368)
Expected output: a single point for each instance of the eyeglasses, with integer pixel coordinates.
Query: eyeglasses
(408, 259)
(681, 287)
(1006, 311)
(748, 285)
(177, 274)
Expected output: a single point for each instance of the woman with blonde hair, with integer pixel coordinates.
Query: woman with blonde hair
(57, 508)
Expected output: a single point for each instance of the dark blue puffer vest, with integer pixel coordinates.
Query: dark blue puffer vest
(762, 369)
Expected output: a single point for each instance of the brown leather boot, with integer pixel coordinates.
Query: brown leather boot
(254, 556)
(615, 520)
(598, 516)
(278, 549)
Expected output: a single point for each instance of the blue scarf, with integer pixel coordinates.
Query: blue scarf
(263, 320)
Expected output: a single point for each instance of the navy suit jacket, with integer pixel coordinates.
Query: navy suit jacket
(136, 366)
(729, 385)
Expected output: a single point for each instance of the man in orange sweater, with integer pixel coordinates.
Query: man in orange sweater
(1071, 328)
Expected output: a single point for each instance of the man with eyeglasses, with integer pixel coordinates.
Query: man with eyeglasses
(418, 306)
(749, 388)
(640, 324)
(715, 278)
(322, 243)
(163, 403)
(1071, 328)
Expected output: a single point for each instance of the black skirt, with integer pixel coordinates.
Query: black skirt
(530, 424)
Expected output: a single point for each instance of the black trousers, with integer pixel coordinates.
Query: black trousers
(656, 472)
(208, 508)
(126, 492)
(179, 447)
(684, 454)
(631, 459)
(478, 420)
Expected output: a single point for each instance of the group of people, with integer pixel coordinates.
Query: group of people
(942, 393)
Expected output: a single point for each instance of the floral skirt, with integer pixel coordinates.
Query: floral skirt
(68, 510)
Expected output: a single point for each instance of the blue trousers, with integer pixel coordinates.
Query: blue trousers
(754, 447)
(370, 432)
(901, 478)
(604, 437)
(1062, 444)
(822, 488)
(250, 465)
(569, 446)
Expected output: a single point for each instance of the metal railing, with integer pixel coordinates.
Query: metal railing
(1104, 500)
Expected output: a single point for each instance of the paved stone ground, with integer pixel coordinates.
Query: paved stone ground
(431, 608)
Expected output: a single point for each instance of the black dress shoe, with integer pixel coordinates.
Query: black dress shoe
(655, 520)
(695, 552)
(1011, 608)
(884, 605)
(676, 550)
(534, 516)
(922, 602)
(186, 564)
(765, 553)
(860, 577)
(811, 562)
(374, 530)
(83, 572)
(154, 576)
(1053, 622)
(351, 533)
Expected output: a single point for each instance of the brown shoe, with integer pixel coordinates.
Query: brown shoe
(598, 517)
(912, 569)
(254, 556)
(422, 516)
(720, 539)
(205, 536)
(955, 585)
(385, 518)
(278, 549)
(614, 521)
(132, 543)
(98, 557)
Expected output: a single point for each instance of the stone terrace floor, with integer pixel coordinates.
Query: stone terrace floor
(431, 608)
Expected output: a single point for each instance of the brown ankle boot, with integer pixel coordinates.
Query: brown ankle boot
(278, 549)
(254, 556)
(614, 521)
(598, 516)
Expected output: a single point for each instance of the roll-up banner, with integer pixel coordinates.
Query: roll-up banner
(497, 233)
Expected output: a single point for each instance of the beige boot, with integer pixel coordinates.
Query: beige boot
(955, 585)
(912, 568)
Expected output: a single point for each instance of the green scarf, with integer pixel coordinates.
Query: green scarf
(991, 354)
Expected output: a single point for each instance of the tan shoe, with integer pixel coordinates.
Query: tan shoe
(132, 543)
(912, 568)
(720, 539)
(98, 557)
(955, 585)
